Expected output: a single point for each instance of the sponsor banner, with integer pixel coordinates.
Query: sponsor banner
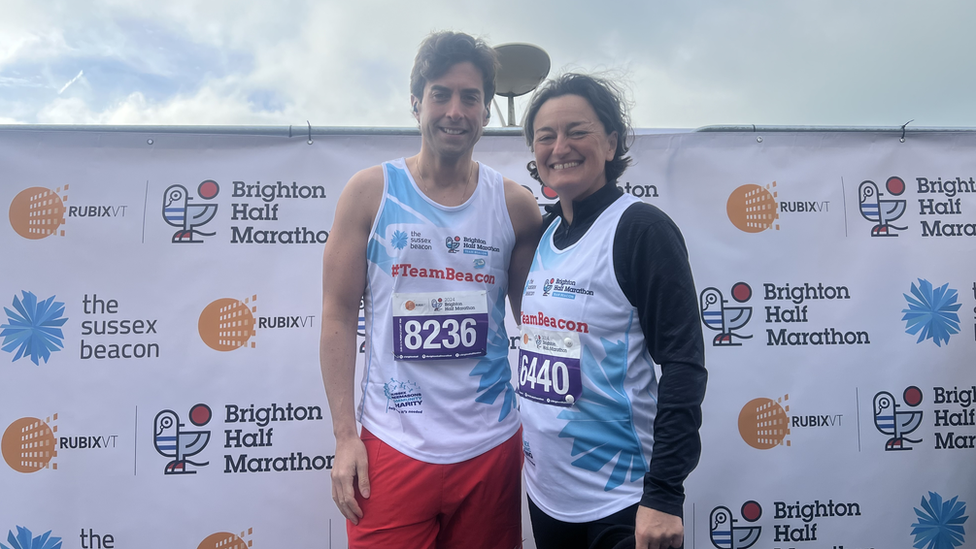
(160, 319)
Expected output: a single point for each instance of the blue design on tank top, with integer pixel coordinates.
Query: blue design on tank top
(601, 423)
(494, 369)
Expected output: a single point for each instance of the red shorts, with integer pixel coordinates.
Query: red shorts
(474, 504)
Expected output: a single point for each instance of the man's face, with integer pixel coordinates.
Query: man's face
(452, 112)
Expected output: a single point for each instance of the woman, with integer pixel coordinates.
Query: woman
(610, 290)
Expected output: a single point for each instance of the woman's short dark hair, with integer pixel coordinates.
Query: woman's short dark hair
(442, 50)
(607, 101)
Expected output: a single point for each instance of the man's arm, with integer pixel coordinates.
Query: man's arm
(343, 283)
(527, 222)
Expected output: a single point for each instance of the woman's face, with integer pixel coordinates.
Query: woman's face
(571, 147)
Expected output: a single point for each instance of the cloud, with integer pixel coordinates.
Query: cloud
(347, 64)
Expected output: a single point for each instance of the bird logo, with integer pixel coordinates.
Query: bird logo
(897, 423)
(717, 315)
(723, 532)
(882, 212)
(172, 440)
(547, 286)
(179, 212)
(452, 243)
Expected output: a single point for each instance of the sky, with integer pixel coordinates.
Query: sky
(685, 64)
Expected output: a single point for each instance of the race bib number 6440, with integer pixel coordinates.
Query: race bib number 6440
(439, 325)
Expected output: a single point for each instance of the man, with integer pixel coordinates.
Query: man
(431, 244)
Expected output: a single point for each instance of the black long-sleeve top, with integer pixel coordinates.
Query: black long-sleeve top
(651, 265)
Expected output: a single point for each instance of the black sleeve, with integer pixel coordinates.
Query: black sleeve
(651, 264)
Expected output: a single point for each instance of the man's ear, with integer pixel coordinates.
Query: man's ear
(415, 107)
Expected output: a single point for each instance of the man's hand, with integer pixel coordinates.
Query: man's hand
(658, 530)
(350, 471)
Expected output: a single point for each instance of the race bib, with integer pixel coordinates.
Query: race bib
(440, 325)
(549, 366)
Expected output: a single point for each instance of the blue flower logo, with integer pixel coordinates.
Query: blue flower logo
(399, 240)
(23, 540)
(931, 312)
(939, 523)
(34, 329)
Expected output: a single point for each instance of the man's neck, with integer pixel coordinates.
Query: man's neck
(442, 172)
(447, 181)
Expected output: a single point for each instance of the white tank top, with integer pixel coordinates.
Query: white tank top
(587, 387)
(437, 382)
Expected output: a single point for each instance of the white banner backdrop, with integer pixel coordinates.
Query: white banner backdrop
(159, 380)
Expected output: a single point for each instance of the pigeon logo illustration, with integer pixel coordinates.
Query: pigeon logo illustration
(226, 540)
(547, 286)
(717, 315)
(437, 303)
(179, 212)
(25, 539)
(764, 423)
(882, 212)
(227, 324)
(931, 312)
(898, 423)
(172, 440)
(940, 523)
(452, 243)
(33, 328)
(29, 444)
(752, 208)
(36, 213)
(361, 327)
(723, 532)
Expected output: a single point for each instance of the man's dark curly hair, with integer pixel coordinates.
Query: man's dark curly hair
(442, 50)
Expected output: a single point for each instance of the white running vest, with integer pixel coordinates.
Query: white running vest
(437, 382)
(587, 387)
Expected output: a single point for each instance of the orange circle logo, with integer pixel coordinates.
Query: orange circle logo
(37, 212)
(752, 208)
(28, 445)
(763, 423)
(225, 540)
(227, 324)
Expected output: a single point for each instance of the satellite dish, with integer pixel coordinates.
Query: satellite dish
(522, 68)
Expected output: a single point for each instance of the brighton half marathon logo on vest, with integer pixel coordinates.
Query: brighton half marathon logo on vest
(29, 444)
(931, 312)
(226, 540)
(452, 243)
(37, 212)
(896, 423)
(717, 315)
(172, 439)
(882, 212)
(179, 212)
(940, 523)
(33, 328)
(752, 208)
(723, 532)
(25, 539)
(227, 324)
(764, 423)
